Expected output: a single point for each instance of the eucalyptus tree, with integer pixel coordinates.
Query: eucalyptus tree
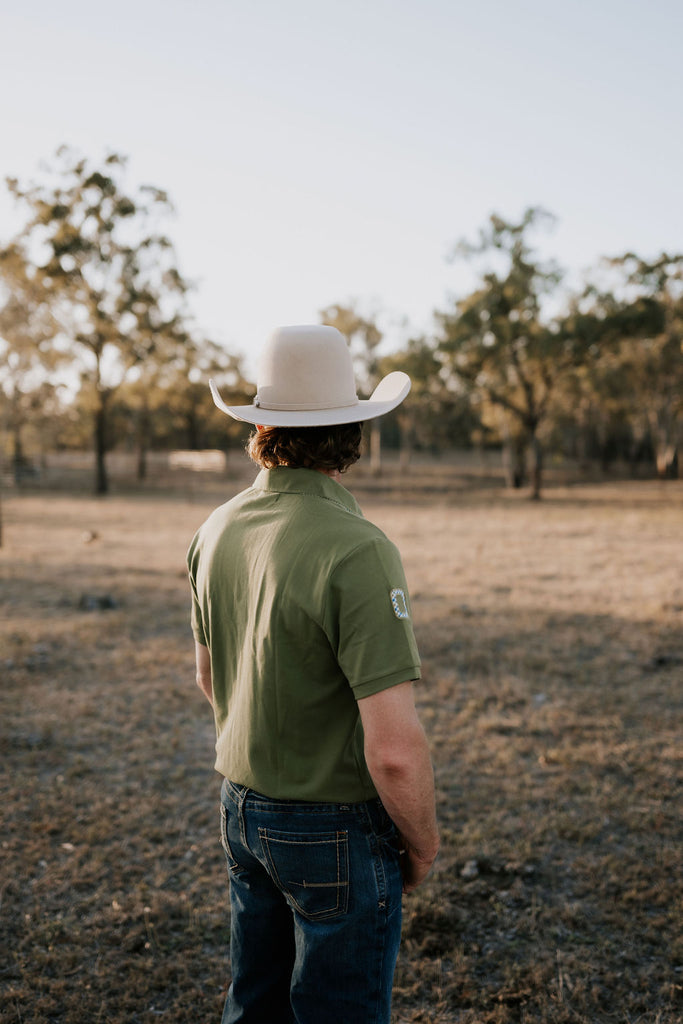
(28, 353)
(27, 356)
(187, 398)
(498, 341)
(595, 404)
(639, 326)
(438, 413)
(107, 272)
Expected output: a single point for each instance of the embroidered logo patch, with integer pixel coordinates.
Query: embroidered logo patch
(399, 604)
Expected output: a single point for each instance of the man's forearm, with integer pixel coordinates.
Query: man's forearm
(203, 675)
(405, 783)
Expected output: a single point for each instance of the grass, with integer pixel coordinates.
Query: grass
(552, 647)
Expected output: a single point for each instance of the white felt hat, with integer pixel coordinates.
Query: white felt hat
(306, 380)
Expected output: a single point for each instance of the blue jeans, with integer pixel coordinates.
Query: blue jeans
(315, 897)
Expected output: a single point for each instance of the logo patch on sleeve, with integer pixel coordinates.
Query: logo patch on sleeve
(399, 604)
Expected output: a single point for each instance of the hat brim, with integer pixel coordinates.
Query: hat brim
(389, 393)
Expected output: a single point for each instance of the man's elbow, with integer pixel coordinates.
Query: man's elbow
(395, 756)
(390, 761)
(203, 680)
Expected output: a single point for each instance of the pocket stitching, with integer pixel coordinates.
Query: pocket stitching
(340, 840)
(233, 866)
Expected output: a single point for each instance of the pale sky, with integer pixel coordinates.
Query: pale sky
(322, 151)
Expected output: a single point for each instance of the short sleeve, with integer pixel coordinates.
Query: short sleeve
(196, 622)
(196, 618)
(368, 619)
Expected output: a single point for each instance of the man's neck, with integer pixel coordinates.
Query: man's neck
(333, 474)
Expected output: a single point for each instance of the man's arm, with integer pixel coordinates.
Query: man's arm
(203, 660)
(397, 755)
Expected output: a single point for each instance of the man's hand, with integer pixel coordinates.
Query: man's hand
(414, 868)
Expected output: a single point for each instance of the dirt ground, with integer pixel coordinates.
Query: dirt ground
(552, 644)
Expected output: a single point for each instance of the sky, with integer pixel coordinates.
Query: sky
(335, 151)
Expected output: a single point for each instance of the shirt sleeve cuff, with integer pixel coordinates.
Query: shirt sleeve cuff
(371, 686)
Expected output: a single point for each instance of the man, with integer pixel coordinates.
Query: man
(305, 650)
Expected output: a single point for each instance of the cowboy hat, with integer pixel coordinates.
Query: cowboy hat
(306, 380)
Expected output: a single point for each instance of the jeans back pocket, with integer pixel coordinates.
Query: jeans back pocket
(311, 869)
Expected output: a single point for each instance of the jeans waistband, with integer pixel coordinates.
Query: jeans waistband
(243, 796)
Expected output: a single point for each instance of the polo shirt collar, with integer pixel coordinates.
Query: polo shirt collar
(284, 480)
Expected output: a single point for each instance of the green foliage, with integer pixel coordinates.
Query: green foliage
(435, 416)
(497, 342)
(170, 405)
(27, 330)
(90, 292)
(106, 273)
(633, 370)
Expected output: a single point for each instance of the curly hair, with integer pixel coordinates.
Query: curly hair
(328, 448)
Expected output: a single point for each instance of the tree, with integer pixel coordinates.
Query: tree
(595, 401)
(146, 390)
(497, 342)
(363, 336)
(107, 273)
(638, 329)
(187, 397)
(27, 332)
(434, 414)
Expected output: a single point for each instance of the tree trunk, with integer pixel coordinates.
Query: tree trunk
(664, 429)
(193, 434)
(101, 477)
(141, 471)
(536, 467)
(405, 454)
(18, 460)
(143, 442)
(2, 483)
(407, 440)
(667, 462)
(513, 462)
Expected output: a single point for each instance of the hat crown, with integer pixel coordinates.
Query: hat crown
(306, 380)
(306, 368)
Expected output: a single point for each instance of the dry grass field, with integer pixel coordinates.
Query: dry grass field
(552, 642)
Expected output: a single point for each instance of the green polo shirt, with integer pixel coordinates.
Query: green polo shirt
(304, 607)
